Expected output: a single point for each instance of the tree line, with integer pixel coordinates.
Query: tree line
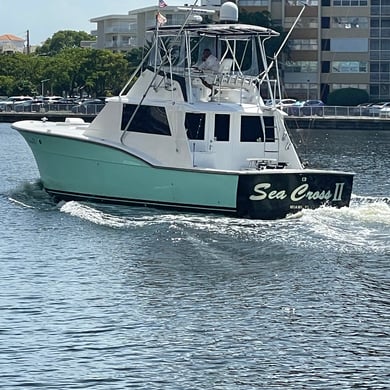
(62, 68)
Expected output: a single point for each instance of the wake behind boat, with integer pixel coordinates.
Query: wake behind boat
(189, 134)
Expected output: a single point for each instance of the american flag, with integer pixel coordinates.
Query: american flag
(161, 19)
(162, 3)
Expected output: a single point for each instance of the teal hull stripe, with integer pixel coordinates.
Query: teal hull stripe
(75, 166)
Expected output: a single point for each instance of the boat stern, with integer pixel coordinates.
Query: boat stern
(276, 195)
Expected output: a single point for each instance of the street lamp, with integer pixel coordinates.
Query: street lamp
(43, 84)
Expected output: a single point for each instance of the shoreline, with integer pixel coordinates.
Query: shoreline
(292, 122)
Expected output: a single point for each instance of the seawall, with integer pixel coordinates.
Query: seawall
(338, 122)
(55, 116)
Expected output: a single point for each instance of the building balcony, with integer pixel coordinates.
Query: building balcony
(254, 3)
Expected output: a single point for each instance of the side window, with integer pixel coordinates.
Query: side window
(194, 124)
(147, 119)
(251, 130)
(222, 127)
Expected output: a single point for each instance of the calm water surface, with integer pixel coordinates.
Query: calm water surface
(110, 297)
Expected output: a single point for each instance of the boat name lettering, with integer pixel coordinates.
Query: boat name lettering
(263, 191)
(267, 195)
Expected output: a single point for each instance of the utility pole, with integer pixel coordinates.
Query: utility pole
(28, 42)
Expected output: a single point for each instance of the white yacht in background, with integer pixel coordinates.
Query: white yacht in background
(177, 137)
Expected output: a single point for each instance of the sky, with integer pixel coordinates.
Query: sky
(43, 18)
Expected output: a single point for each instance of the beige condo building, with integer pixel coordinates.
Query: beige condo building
(336, 44)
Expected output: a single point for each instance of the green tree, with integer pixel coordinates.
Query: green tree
(16, 67)
(108, 72)
(6, 85)
(70, 71)
(134, 58)
(347, 97)
(62, 40)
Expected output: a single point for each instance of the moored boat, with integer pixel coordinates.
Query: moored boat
(182, 136)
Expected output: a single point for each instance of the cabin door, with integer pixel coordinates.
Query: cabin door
(271, 141)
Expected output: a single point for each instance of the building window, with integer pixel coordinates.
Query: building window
(301, 66)
(325, 66)
(325, 44)
(255, 2)
(375, 22)
(374, 44)
(342, 86)
(303, 44)
(349, 22)
(325, 22)
(302, 23)
(379, 91)
(348, 45)
(350, 3)
(349, 67)
(299, 2)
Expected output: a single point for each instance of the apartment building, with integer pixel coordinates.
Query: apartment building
(114, 32)
(336, 43)
(124, 32)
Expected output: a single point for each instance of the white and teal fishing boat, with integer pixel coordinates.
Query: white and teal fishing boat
(183, 138)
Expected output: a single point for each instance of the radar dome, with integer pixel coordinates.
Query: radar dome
(229, 12)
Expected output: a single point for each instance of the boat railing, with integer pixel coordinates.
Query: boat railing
(334, 111)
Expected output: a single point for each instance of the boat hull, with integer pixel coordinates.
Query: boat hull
(72, 168)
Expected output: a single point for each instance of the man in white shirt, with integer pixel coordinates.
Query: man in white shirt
(209, 65)
(209, 62)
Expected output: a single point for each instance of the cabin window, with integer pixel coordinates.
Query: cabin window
(221, 127)
(194, 124)
(148, 119)
(269, 128)
(251, 129)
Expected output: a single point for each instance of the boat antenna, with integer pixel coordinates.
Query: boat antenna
(190, 12)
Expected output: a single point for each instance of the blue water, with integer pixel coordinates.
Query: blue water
(112, 297)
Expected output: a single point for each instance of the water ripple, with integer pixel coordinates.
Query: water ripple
(107, 297)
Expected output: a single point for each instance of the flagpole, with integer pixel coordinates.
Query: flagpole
(156, 37)
(160, 4)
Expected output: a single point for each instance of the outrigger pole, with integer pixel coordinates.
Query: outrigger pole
(276, 55)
